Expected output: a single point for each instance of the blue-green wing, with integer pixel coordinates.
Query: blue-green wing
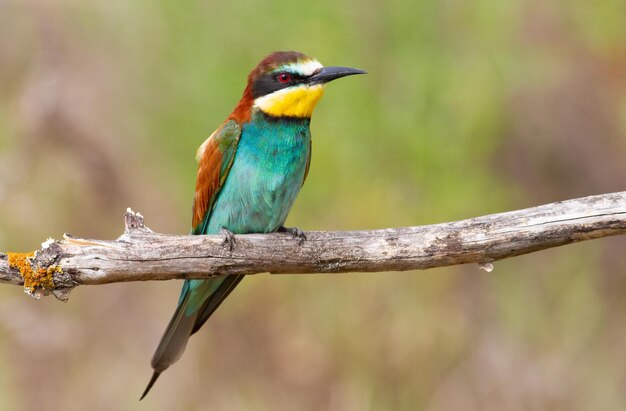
(215, 158)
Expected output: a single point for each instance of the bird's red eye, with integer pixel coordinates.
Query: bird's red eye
(284, 77)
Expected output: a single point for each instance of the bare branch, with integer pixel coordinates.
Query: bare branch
(141, 254)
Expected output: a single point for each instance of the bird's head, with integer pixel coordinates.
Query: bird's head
(289, 84)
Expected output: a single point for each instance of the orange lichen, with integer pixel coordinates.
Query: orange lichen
(42, 278)
(34, 278)
(21, 262)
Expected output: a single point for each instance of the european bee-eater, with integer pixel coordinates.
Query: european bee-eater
(250, 170)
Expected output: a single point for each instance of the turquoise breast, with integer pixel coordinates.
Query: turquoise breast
(266, 176)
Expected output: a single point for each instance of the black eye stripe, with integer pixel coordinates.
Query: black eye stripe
(270, 83)
(294, 76)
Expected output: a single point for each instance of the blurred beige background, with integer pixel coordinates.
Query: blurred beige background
(469, 108)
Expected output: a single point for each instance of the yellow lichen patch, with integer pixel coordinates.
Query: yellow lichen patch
(39, 278)
(21, 262)
(43, 278)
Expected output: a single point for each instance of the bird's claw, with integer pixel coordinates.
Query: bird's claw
(229, 238)
(295, 233)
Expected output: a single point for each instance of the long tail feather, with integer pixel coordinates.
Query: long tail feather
(176, 335)
(198, 300)
(155, 375)
(211, 304)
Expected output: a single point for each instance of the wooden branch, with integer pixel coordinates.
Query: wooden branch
(141, 254)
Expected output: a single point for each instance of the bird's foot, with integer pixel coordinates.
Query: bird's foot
(229, 239)
(295, 233)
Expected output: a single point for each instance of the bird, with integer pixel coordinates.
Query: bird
(250, 171)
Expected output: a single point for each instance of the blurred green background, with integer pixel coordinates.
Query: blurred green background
(469, 108)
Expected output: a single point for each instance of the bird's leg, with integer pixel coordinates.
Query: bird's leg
(229, 238)
(295, 233)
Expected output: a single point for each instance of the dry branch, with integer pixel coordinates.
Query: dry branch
(141, 254)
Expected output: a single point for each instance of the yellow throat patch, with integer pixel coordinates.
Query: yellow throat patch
(296, 101)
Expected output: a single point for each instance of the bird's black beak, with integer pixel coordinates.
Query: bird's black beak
(327, 74)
